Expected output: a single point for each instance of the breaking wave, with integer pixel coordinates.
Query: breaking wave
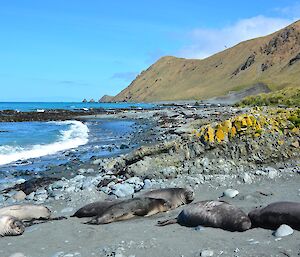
(76, 135)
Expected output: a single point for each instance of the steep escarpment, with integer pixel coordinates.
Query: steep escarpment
(272, 61)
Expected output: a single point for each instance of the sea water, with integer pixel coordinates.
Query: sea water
(36, 145)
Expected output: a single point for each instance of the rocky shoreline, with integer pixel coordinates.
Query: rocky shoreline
(261, 168)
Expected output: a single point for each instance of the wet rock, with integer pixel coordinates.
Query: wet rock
(283, 230)
(122, 190)
(30, 197)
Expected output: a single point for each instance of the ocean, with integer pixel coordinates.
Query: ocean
(33, 106)
(35, 146)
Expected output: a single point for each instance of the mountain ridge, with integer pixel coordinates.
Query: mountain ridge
(272, 60)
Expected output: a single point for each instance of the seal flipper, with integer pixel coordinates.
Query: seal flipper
(166, 222)
(42, 220)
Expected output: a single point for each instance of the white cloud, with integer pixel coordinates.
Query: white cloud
(205, 41)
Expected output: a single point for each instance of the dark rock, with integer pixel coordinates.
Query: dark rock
(250, 60)
(295, 59)
(31, 185)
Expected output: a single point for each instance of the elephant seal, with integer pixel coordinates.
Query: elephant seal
(217, 214)
(11, 226)
(94, 209)
(276, 214)
(127, 209)
(175, 196)
(26, 212)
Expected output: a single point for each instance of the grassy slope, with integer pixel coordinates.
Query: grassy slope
(173, 78)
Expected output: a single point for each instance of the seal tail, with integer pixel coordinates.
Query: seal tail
(166, 222)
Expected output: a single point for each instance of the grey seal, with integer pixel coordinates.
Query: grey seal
(175, 196)
(128, 209)
(11, 226)
(26, 212)
(276, 214)
(217, 214)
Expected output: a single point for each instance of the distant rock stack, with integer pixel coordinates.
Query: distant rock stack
(92, 100)
(84, 100)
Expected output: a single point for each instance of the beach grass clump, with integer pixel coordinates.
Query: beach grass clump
(289, 97)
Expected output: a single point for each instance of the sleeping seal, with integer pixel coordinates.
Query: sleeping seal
(94, 209)
(217, 214)
(11, 226)
(127, 209)
(26, 212)
(175, 196)
(276, 214)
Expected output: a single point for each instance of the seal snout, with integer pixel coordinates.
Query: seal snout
(18, 226)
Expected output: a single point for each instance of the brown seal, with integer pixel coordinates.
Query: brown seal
(175, 196)
(11, 226)
(276, 214)
(127, 209)
(94, 209)
(217, 214)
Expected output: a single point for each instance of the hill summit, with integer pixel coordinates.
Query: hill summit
(272, 61)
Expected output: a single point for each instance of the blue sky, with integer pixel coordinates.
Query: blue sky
(67, 50)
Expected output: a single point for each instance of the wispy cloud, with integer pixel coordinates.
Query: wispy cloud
(125, 76)
(205, 41)
(291, 11)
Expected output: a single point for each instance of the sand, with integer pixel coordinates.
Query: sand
(140, 237)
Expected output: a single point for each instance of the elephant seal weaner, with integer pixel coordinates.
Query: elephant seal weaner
(175, 196)
(276, 214)
(26, 212)
(11, 226)
(127, 209)
(217, 214)
(94, 209)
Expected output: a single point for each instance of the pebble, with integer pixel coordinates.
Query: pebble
(230, 193)
(207, 253)
(283, 230)
(67, 209)
(17, 255)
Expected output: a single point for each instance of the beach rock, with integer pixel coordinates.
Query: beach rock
(231, 193)
(147, 184)
(122, 190)
(272, 173)
(247, 178)
(30, 197)
(207, 253)
(136, 182)
(59, 184)
(283, 230)
(19, 196)
(169, 172)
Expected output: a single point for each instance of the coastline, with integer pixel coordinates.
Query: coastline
(161, 162)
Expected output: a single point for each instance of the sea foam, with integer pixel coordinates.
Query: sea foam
(76, 135)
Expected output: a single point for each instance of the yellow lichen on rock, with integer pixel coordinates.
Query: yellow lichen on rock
(220, 135)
